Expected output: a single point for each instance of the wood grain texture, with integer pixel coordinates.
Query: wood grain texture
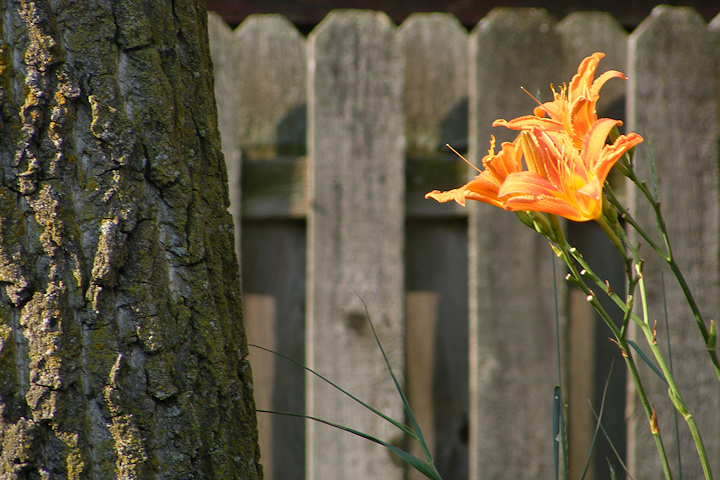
(513, 365)
(371, 85)
(435, 92)
(271, 85)
(421, 330)
(260, 312)
(355, 228)
(672, 60)
(261, 70)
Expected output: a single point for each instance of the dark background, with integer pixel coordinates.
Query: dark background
(305, 14)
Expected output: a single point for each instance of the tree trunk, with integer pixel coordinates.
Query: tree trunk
(122, 350)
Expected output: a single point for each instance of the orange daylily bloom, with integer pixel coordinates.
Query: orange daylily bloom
(485, 186)
(573, 108)
(566, 154)
(561, 179)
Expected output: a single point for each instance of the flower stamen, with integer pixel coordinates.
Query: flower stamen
(468, 161)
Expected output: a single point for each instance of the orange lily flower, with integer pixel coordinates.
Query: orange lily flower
(485, 186)
(561, 179)
(573, 108)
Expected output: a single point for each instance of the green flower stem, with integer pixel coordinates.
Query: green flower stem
(649, 333)
(610, 222)
(667, 256)
(673, 390)
(649, 410)
(576, 277)
(631, 221)
(612, 235)
(625, 305)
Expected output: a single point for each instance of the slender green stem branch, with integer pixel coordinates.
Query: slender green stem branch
(568, 254)
(667, 255)
(673, 390)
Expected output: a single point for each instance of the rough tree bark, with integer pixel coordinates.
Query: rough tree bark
(122, 351)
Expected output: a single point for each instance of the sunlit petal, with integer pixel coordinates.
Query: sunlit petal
(612, 153)
(554, 205)
(559, 161)
(573, 108)
(529, 121)
(594, 141)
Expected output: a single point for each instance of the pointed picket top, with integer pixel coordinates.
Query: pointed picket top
(587, 32)
(672, 104)
(517, 43)
(512, 297)
(225, 62)
(435, 46)
(260, 83)
(356, 231)
(436, 70)
(271, 84)
(714, 25)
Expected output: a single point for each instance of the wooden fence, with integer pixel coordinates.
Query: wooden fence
(331, 142)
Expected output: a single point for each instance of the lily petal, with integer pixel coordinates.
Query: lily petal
(566, 155)
(573, 108)
(554, 205)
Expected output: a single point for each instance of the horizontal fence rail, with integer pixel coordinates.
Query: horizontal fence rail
(331, 142)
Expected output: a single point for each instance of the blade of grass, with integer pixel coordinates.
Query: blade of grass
(557, 427)
(420, 439)
(557, 400)
(612, 446)
(399, 425)
(426, 468)
(598, 420)
(670, 364)
(411, 460)
(647, 360)
(613, 476)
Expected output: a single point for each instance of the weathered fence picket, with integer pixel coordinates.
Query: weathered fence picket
(355, 239)
(226, 62)
(513, 361)
(345, 130)
(673, 91)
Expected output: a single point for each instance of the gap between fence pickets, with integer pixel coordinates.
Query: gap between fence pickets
(260, 314)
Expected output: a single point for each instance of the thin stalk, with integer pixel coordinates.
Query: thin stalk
(575, 277)
(667, 255)
(649, 333)
(587, 272)
(673, 390)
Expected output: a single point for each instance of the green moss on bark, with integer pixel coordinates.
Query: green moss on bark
(122, 352)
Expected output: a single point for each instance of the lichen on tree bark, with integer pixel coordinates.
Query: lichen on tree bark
(122, 351)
